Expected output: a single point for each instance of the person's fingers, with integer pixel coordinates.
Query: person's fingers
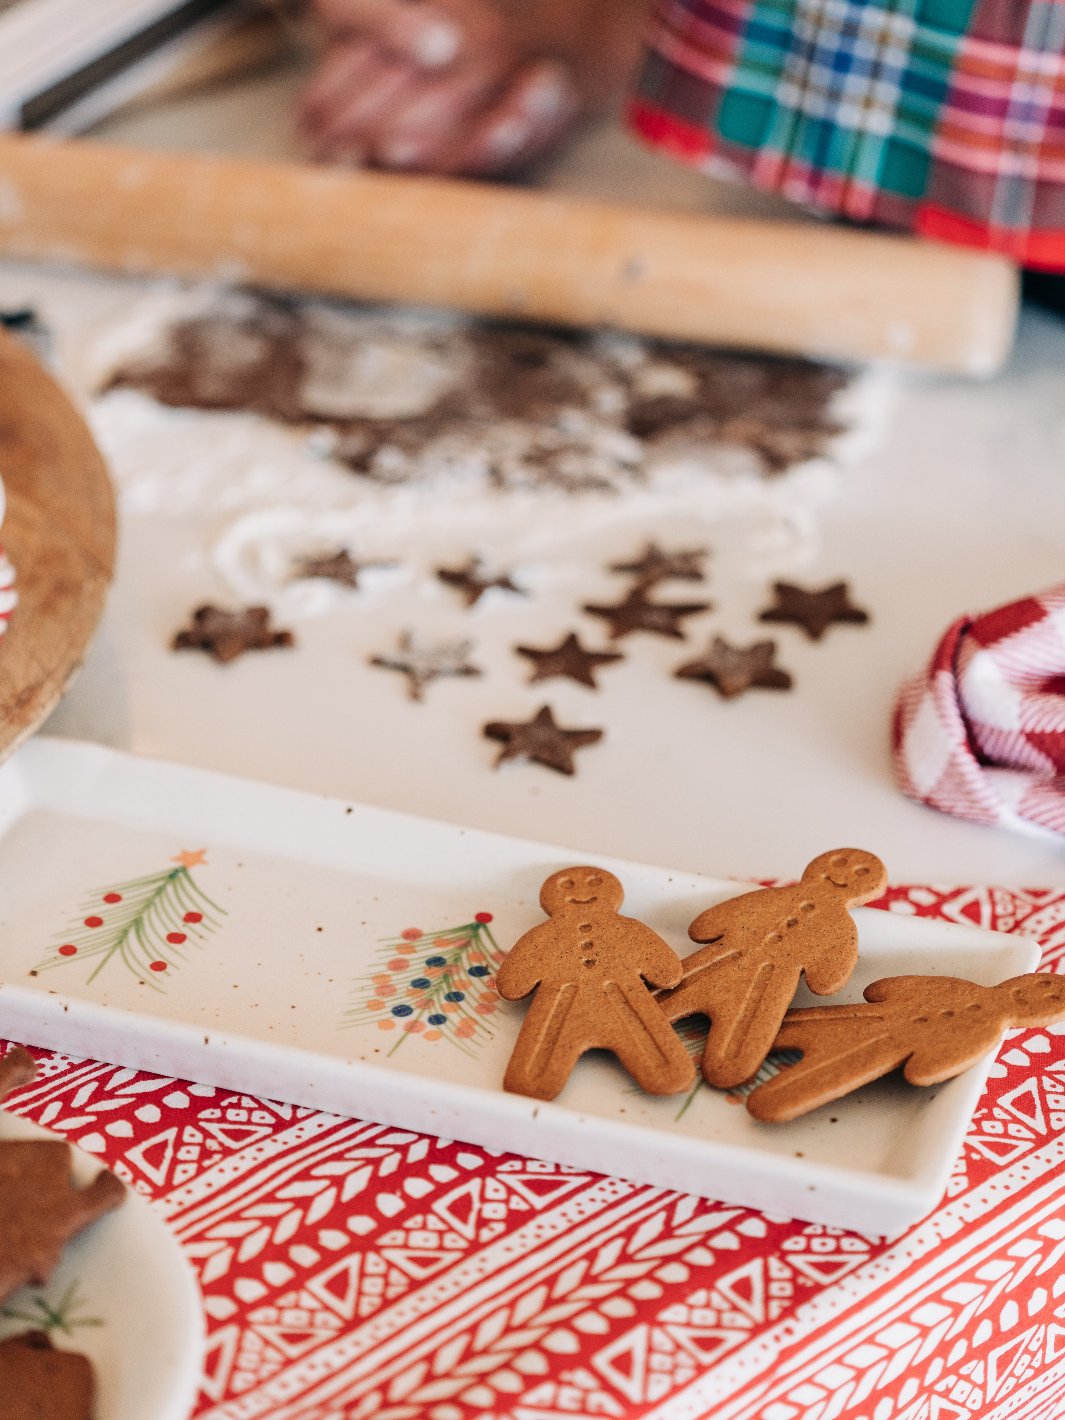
(540, 102)
(353, 121)
(435, 117)
(423, 33)
(344, 69)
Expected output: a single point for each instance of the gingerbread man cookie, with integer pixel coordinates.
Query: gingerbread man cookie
(37, 1382)
(933, 1026)
(588, 966)
(41, 1209)
(759, 945)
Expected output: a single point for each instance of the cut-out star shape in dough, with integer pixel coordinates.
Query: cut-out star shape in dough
(338, 567)
(225, 635)
(814, 611)
(731, 670)
(424, 664)
(656, 565)
(471, 581)
(636, 612)
(540, 741)
(570, 659)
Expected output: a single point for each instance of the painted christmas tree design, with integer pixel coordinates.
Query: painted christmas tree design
(147, 924)
(66, 1315)
(437, 985)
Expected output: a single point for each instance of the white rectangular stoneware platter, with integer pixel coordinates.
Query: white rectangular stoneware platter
(341, 957)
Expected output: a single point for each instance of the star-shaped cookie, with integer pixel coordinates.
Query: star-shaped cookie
(424, 664)
(569, 658)
(733, 669)
(814, 611)
(656, 565)
(225, 635)
(636, 612)
(540, 741)
(471, 582)
(337, 567)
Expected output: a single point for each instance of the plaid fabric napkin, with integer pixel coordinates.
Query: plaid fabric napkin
(946, 117)
(981, 731)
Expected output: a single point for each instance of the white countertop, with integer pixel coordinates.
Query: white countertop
(960, 507)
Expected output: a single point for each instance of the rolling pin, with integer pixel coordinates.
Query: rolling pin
(798, 288)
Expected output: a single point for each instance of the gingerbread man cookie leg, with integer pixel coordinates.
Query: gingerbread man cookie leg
(933, 1026)
(845, 1048)
(739, 1042)
(588, 966)
(759, 946)
(547, 1048)
(645, 1042)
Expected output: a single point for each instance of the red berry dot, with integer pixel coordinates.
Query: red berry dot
(68, 949)
(112, 897)
(176, 938)
(158, 965)
(483, 917)
(411, 934)
(193, 917)
(94, 921)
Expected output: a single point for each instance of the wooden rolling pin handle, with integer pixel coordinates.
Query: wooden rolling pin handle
(787, 287)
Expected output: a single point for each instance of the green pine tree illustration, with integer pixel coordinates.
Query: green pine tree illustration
(66, 1314)
(437, 985)
(148, 924)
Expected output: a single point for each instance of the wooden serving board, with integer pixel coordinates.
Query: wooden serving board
(59, 530)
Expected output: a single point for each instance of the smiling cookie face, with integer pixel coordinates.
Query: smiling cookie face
(850, 871)
(581, 889)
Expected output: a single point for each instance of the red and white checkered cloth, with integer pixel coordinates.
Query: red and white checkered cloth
(981, 731)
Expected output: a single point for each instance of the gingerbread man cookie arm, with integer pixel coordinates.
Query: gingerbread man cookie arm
(712, 923)
(960, 1021)
(830, 970)
(843, 1047)
(655, 959)
(705, 980)
(523, 966)
(16, 1068)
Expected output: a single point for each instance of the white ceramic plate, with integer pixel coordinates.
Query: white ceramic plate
(340, 957)
(124, 1296)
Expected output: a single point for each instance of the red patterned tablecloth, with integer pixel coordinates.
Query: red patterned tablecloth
(352, 1270)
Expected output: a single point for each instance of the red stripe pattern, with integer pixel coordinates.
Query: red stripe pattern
(8, 594)
(981, 731)
(350, 1270)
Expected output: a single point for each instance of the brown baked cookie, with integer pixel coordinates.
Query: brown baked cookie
(588, 967)
(41, 1209)
(933, 1026)
(37, 1382)
(16, 1068)
(759, 945)
(225, 635)
(814, 610)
